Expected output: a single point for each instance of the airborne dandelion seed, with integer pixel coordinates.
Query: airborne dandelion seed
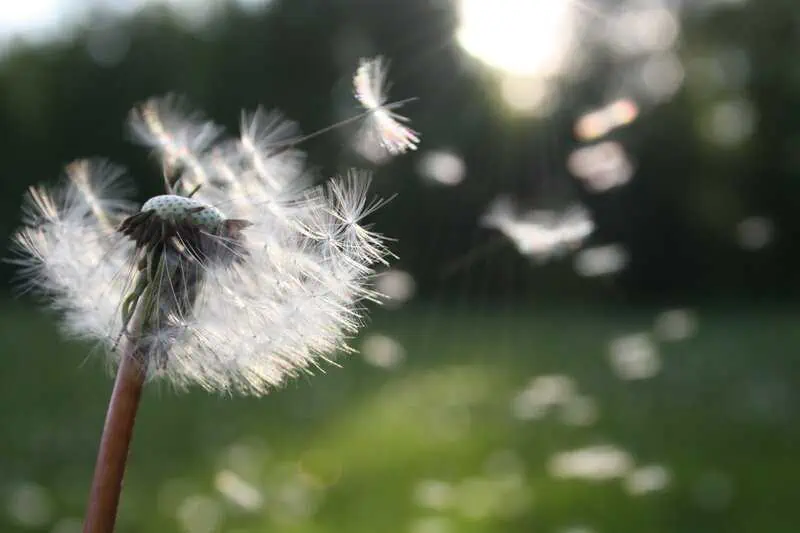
(539, 234)
(383, 134)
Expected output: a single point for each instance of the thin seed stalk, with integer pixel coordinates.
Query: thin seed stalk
(112, 456)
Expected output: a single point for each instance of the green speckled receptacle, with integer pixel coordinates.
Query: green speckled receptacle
(180, 209)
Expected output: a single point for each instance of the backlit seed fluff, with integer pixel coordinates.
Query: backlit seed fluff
(262, 277)
(384, 133)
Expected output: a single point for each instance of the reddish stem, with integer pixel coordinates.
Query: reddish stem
(101, 513)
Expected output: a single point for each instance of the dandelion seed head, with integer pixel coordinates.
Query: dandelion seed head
(247, 276)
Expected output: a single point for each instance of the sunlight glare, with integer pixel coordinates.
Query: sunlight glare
(520, 37)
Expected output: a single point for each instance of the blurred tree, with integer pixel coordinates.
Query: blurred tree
(677, 217)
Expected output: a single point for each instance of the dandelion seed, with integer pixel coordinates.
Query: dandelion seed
(433, 494)
(29, 505)
(442, 167)
(383, 134)
(595, 463)
(200, 514)
(238, 491)
(382, 351)
(579, 411)
(675, 325)
(645, 479)
(601, 260)
(602, 166)
(397, 286)
(634, 356)
(539, 234)
(755, 233)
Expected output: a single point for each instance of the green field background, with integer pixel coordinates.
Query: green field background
(432, 444)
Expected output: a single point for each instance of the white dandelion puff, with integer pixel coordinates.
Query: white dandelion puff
(245, 278)
(384, 133)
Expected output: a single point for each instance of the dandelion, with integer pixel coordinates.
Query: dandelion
(247, 283)
(383, 133)
(539, 234)
(237, 278)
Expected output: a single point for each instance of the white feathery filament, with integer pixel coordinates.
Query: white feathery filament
(256, 276)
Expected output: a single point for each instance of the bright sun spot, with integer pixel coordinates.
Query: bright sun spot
(527, 38)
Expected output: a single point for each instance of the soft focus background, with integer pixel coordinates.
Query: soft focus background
(523, 376)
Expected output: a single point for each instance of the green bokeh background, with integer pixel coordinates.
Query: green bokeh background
(358, 447)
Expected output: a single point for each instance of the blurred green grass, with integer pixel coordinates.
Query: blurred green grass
(431, 446)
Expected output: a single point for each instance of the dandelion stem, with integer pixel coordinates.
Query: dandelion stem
(101, 512)
(109, 470)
